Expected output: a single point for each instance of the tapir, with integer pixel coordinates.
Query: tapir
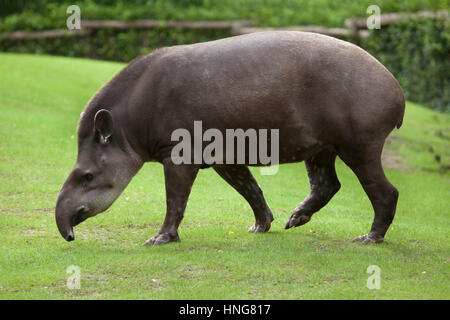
(327, 97)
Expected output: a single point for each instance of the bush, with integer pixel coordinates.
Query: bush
(114, 45)
(41, 14)
(417, 53)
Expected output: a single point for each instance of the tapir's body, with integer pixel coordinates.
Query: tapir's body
(327, 97)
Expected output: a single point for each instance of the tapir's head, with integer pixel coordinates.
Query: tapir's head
(104, 167)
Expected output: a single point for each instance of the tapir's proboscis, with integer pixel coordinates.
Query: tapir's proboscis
(326, 97)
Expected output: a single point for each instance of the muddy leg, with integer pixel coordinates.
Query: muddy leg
(324, 185)
(179, 180)
(241, 179)
(382, 194)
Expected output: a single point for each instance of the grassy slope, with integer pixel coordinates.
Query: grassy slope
(40, 102)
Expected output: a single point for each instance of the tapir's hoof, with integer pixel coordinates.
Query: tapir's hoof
(296, 221)
(162, 238)
(259, 228)
(369, 238)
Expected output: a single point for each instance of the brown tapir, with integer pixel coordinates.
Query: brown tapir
(326, 97)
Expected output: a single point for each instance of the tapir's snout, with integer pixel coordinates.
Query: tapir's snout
(70, 236)
(64, 226)
(67, 217)
(72, 208)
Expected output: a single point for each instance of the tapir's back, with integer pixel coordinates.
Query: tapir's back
(278, 79)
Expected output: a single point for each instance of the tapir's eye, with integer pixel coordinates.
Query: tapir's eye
(87, 177)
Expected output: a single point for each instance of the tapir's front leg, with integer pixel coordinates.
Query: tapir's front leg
(179, 180)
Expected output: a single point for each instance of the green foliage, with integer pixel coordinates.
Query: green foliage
(112, 45)
(417, 52)
(264, 12)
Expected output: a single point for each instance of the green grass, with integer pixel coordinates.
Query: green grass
(40, 102)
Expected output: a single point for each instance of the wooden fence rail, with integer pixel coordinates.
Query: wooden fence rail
(150, 24)
(87, 26)
(390, 18)
(355, 27)
(31, 35)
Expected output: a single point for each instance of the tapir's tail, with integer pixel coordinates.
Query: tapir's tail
(401, 107)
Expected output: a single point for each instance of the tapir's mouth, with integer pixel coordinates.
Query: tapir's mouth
(81, 214)
(65, 225)
(70, 236)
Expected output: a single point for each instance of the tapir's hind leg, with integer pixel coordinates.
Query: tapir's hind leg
(324, 185)
(241, 179)
(382, 194)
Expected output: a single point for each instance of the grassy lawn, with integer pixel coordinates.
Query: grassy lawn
(40, 102)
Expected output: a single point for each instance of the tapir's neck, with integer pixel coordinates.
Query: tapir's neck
(135, 120)
(137, 156)
(116, 96)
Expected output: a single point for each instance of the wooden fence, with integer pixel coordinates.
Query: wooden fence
(355, 27)
(88, 26)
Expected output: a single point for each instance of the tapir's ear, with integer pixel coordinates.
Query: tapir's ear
(103, 123)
